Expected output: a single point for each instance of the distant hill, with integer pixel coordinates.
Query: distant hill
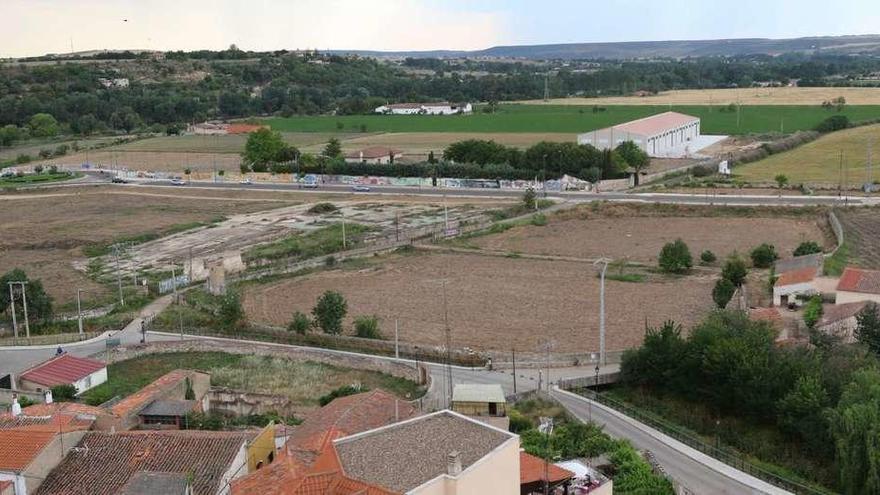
(860, 44)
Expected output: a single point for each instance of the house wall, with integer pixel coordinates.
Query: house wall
(261, 449)
(791, 291)
(50, 457)
(655, 145)
(844, 329)
(496, 473)
(91, 381)
(844, 297)
(478, 408)
(237, 469)
(610, 138)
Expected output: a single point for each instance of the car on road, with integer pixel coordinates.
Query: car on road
(177, 181)
(246, 181)
(309, 182)
(360, 188)
(119, 180)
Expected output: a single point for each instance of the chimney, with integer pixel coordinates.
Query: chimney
(16, 407)
(48, 396)
(453, 463)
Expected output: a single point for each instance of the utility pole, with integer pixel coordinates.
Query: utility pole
(448, 348)
(12, 302)
(603, 263)
(118, 274)
(396, 340)
(27, 326)
(546, 86)
(513, 353)
(79, 314)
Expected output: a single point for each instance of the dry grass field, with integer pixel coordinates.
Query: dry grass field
(745, 96)
(171, 161)
(862, 236)
(818, 162)
(494, 302)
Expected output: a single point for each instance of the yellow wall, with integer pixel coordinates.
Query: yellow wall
(261, 447)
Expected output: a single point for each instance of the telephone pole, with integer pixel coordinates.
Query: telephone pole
(12, 302)
(22, 285)
(603, 264)
(79, 314)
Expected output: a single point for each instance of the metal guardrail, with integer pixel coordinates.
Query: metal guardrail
(726, 456)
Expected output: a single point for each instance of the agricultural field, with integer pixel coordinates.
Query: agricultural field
(745, 96)
(494, 302)
(818, 162)
(861, 229)
(304, 382)
(513, 118)
(636, 234)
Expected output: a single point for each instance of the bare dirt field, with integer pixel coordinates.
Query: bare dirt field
(746, 96)
(861, 227)
(494, 302)
(637, 233)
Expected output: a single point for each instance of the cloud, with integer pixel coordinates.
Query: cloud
(44, 26)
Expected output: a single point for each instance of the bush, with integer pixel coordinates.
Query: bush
(764, 255)
(367, 327)
(539, 220)
(518, 422)
(329, 312)
(734, 269)
(708, 257)
(723, 292)
(833, 123)
(675, 257)
(300, 323)
(231, 313)
(64, 393)
(813, 311)
(342, 391)
(528, 198)
(322, 208)
(702, 171)
(807, 247)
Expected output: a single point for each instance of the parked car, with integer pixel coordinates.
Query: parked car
(177, 181)
(246, 181)
(119, 180)
(309, 182)
(360, 188)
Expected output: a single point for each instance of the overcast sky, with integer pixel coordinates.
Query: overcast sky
(36, 27)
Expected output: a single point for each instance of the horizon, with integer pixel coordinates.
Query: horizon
(43, 27)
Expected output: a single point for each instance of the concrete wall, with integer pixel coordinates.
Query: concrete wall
(50, 457)
(844, 297)
(843, 329)
(241, 403)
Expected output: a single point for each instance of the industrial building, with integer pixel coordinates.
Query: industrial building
(665, 135)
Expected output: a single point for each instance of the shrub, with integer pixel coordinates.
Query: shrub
(342, 391)
(708, 257)
(833, 123)
(734, 269)
(807, 247)
(675, 257)
(539, 220)
(321, 208)
(329, 312)
(64, 393)
(813, 311)
(528, 198)
(300, 323)
(231, 313)
(367, 327)
(764, 255)
(702, 171)
(518, 422)
(723, 292)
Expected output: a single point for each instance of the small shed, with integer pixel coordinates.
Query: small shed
(166, 414)
(474, 399)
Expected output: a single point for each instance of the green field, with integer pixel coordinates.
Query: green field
(818, 162)
(571, 118)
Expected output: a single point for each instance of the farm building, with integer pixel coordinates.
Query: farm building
(858, 285)
(668, 134)
(442, 108)
(795, 283)
(64, 369)
(378, 155)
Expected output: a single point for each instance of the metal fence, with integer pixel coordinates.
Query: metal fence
(54, 339)
(725, 455)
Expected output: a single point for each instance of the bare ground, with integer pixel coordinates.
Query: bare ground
(493, 302)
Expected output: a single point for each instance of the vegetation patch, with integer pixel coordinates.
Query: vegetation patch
(325, 240)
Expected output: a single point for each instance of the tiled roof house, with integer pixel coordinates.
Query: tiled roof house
(65, 369)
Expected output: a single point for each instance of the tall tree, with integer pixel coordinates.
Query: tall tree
(262, 148)
(39, 303)
(333, 149)
(868, 327)
(634, 157)
(855, 427)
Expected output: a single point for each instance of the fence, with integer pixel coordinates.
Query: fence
(724, 455)
(837, 228)
(170, 284)
(53, 339)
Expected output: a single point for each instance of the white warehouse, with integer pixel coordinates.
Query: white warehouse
(443, 108)
(667, 134)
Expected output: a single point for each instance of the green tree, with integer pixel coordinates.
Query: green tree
(807, 247)
(64, 393)
(300, 323)
(529, 199)
(781, 180)
(656, 363)
(39, 303)
(231, 313)
(813, 311)
(868, 327)
(367, 327)
(330, 311)
(9, 134)
(43, 125)
(855, 428)
(263, 147)
(723, 292)
(634, 157)
(735, 270)
(802, 412)
(675, 257)
(764, 255)
(333, 149)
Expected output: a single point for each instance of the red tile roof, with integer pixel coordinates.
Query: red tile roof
(63, 369)
(799, 276)
(18, 448)
(531, 469)
(66, 407)
(143, 397)
(105, 462)
(655, 124)
(858, 280)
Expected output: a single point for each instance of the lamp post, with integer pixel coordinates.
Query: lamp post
(603, 264)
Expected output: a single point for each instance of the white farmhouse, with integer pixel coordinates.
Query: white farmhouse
(794, 283)
(858, 285)
(64, 369)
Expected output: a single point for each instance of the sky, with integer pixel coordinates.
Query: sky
(37, 27)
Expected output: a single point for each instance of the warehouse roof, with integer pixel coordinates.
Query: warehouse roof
(473, 392)
(656, 124)
(61, 370)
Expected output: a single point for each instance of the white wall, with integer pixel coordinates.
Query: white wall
(848, 297)
(91, 381)
(791, 291)
(237, 469)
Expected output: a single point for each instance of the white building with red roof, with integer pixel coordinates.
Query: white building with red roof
(791, 285)
(857, 285)
(667, 134)
(64, 369)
